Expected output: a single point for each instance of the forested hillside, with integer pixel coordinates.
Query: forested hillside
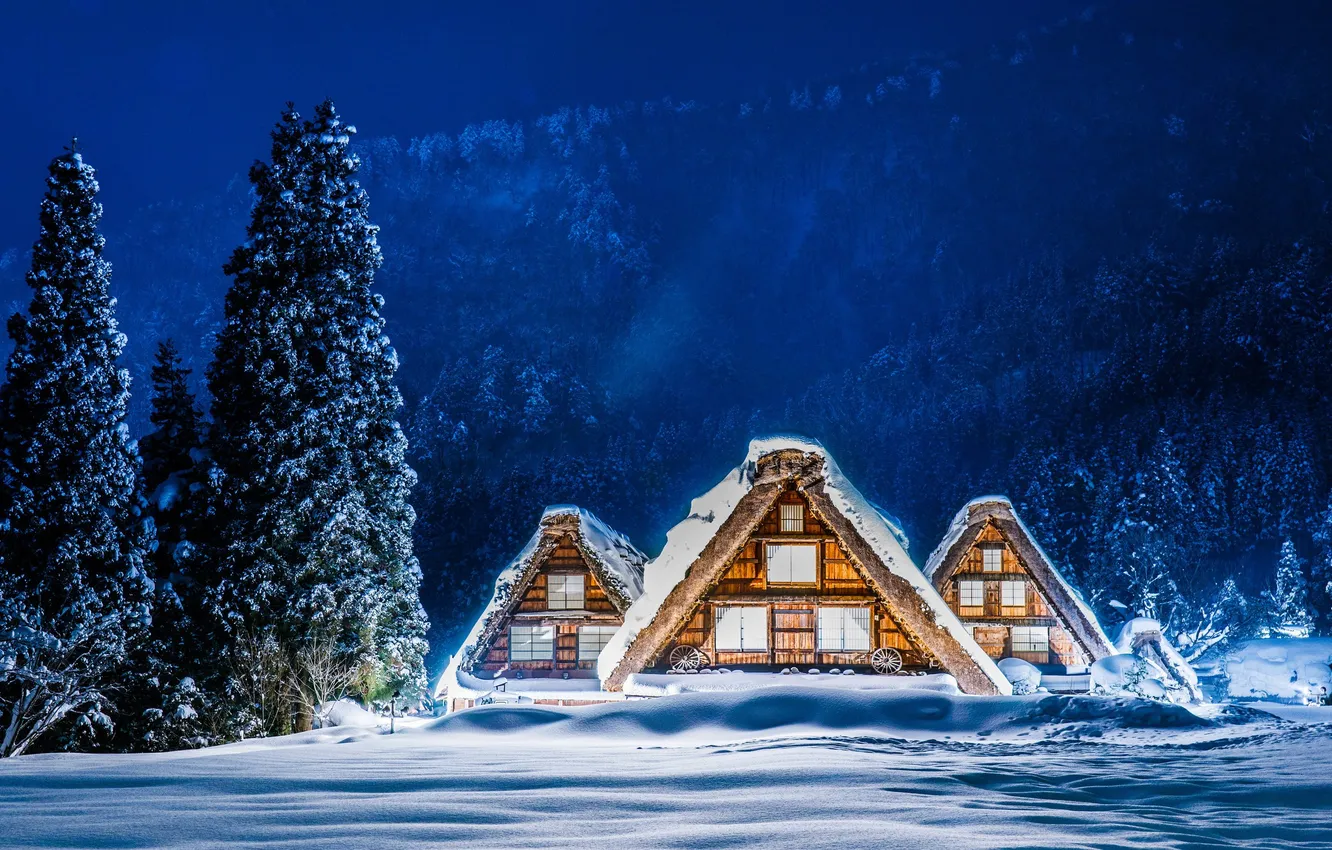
(1087, 267)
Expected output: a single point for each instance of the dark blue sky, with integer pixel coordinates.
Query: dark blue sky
(170, 99)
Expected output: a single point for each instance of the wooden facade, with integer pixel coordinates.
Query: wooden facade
(805, 602)
(1011, 616)
(534, 610)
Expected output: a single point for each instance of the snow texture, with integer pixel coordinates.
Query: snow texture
(1142, 633)
(707, 513)
(618, 563)
(821, 770)
(1289, 669)
(665, 684)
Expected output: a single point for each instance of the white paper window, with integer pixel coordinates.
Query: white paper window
(844, 629)
(992, 559)
(1013, 594)
(971, 594)
(742, 628)
(531, 643)
(1031, 639)
(793, 518)
(564, 593)
(792, 563)
(593, 639)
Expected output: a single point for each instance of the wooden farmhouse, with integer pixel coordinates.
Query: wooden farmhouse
(554, 609)
(785, 564)
(994, 576)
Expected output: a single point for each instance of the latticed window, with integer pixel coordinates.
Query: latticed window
(593, 639)
(992, 559)
(564, 592)
(971, 594)
(793, 518)
(742, 628)
(1031, 639)
(792, 563)
(531, 643)
(844, 629)
(1013, 594)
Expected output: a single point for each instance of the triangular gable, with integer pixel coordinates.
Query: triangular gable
(997, 512)
(613, 561)
(699, 550)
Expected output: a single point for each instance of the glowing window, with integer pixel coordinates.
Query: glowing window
(593, 639)
(992, 560)
(742, 628)
(793, 518)
(1031, 639)
(792, 563)
(1013, 594)
(564, 593)
(971, 594)
(844, 629)
(531, 643)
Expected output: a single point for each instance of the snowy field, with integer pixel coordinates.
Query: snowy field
(785, 767)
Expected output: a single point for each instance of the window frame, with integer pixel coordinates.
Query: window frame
(1028, 633)
(532, 656)
(606, 632)
(790, 574)
(564, 593)
(962, 589)
(998, 557)
(744, 633)
(1005, 586)
(841, 611)
(796, 522)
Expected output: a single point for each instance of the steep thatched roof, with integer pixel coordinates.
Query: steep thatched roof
(997, 512)
(699, 549)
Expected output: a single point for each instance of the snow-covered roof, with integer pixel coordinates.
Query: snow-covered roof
(1142, 632)
(616, 563)
(972, 515)
(687, 540)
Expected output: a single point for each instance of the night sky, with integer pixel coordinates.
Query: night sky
(171, 99)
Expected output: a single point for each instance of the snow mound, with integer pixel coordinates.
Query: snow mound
(346, 712)
(1297, 670)
(665, 684)
(799, 711)
(1127, 674)
(1023, 674)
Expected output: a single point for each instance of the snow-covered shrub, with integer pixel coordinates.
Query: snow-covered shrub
(1127, 675)
(1024, 675)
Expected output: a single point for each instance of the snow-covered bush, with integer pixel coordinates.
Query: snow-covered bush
(1127, 675)
(1024, 675)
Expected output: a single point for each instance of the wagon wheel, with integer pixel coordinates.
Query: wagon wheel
(686, 658)
(886, 660)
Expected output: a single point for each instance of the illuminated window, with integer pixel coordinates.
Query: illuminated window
(844, 629)
(564, 592)
(742, 628)
(531, 643)
(593, 639)
(793, 518)
(1013, 594)
(792, 563)
(992, 559)
(971, 594)
(1031, 639)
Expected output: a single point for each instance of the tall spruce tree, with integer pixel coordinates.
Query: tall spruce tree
(171, 473)
(310, 480)
(72, 542)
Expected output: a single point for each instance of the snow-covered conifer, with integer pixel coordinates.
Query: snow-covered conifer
(310, 478)
(74, 537)
(1287, 606)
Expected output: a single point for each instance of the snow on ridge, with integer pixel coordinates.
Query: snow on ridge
(687, 539)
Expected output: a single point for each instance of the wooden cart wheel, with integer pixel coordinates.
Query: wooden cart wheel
(886, 660)
(686, 658)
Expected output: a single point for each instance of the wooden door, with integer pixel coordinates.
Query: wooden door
(793, 636)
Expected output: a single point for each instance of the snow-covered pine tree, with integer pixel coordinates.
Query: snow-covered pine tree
(73, 541)
(1287, 606)
(310, 479)
(166, 701)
